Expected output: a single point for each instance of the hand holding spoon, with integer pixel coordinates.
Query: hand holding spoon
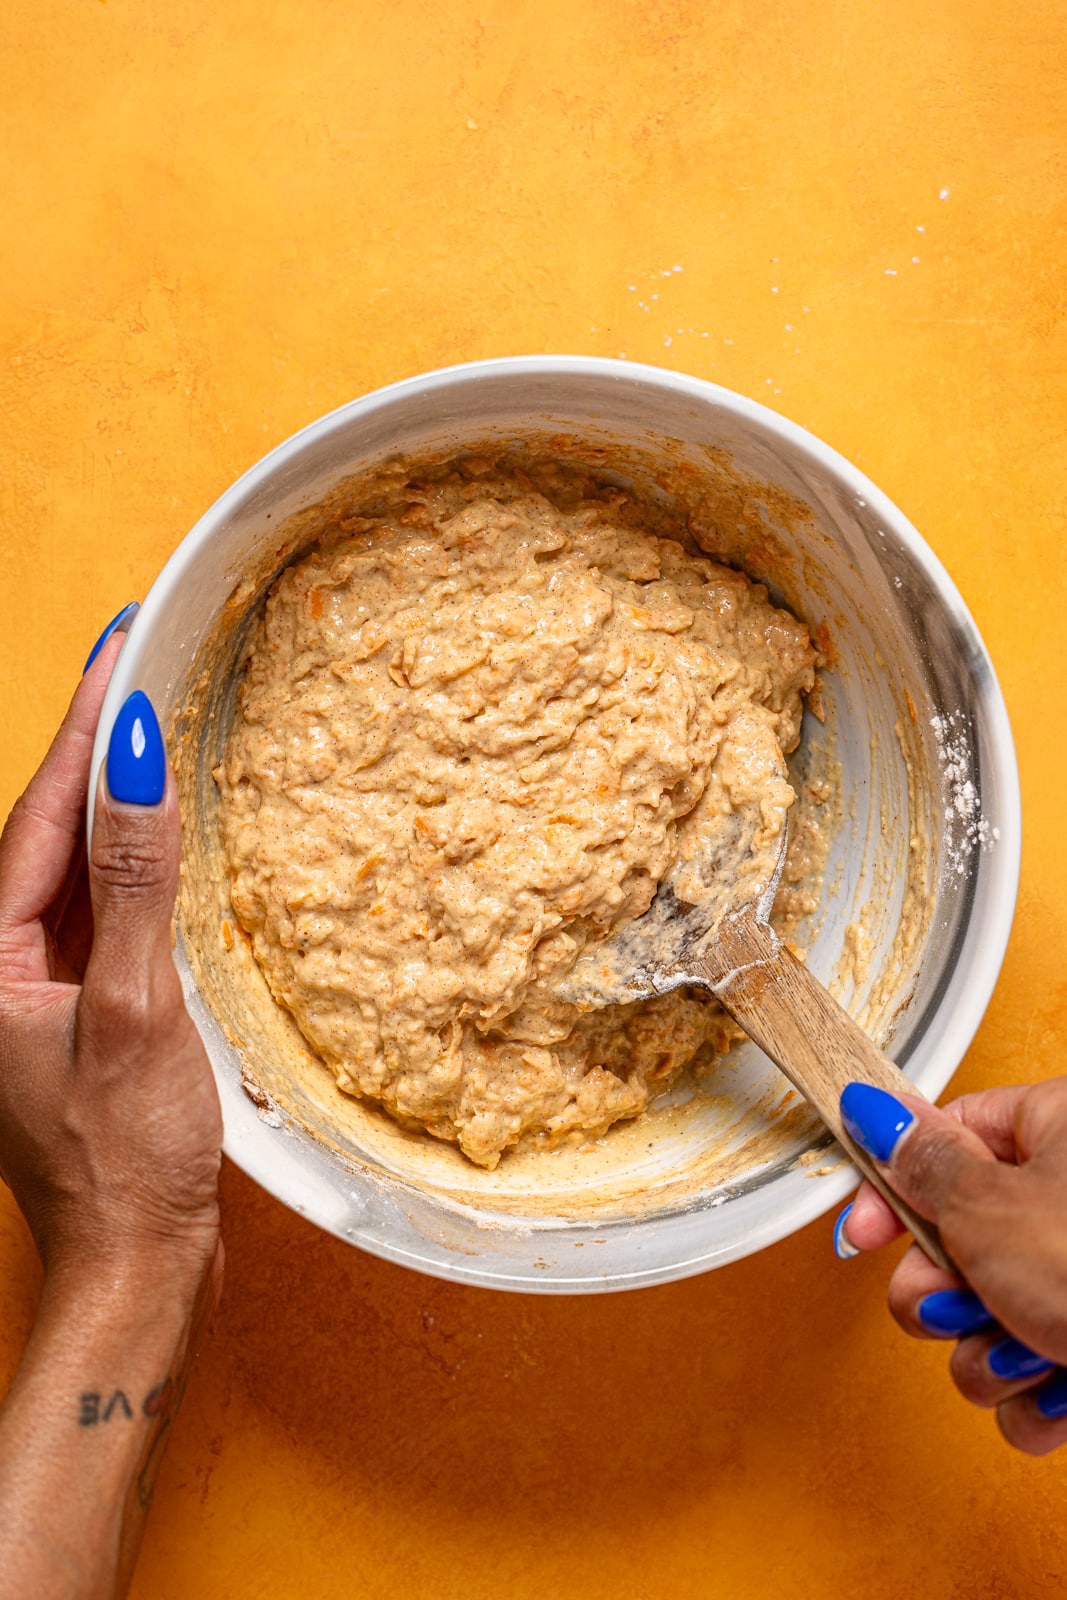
(756, 979)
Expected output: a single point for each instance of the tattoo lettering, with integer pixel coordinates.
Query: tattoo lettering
(157, 1399)
(92, 1410)
(118, 1399)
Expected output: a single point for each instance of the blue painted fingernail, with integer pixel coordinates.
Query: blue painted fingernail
(953, 1313)
(119, 623)
(843, 1246)
(1052, 1397)
(874, 1119)
(136, 760)
(1011, 1359)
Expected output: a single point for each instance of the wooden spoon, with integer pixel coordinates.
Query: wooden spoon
(813, 1040)
(781, 1006)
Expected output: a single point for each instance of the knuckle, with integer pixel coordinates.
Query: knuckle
(971, 1189)
(1042, 1109)
(1025, 1429)
(13, 816)
(24, 807)
(922, 1159)
(15, 968)
(979, 1216)
(971, 1375)
(910, 1282)
(131, 1009)
(131, 864)
(902, 1307)
(1050, 1094)
(115, 1011)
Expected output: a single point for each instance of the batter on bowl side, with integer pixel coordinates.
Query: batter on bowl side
(478, 726)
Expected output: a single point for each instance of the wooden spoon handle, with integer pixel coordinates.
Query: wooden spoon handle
(799, 1024)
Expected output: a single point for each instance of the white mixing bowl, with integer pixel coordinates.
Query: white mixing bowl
(920, 887)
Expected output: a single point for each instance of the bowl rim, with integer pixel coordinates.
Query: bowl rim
(985, 960)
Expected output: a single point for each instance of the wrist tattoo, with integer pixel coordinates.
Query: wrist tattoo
(96, 1408)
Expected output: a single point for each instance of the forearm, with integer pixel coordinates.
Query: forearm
(86, 1422)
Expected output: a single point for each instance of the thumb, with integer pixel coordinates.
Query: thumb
(928, 1157)
(133, 871)
(1000, 1222)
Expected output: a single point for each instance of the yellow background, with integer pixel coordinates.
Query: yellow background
(222, 219)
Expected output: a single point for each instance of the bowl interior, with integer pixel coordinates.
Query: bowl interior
(914, 740)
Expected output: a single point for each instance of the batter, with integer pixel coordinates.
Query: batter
(478, 726)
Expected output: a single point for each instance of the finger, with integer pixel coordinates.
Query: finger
(54, 914)
(74, 931)
(929, 1303)
(44, 830)
(991, 1114)
(121, 622)
(991, 1367)
(867, 1224)
(1002, 1225)
(1036, 1421)
(987, 1365)
(133, 876)
(1041, 1122)
(931, 1160)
